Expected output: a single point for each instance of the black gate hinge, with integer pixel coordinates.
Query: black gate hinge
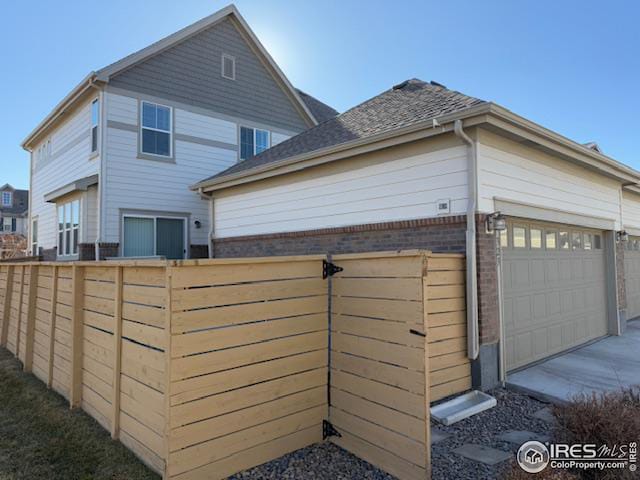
(329, 430)
(329, 269)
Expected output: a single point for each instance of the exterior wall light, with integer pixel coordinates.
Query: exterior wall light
(197, 223)
(496, 222)
(622, 236)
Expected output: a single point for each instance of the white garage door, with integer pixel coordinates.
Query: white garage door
(553, 289)
(632, 276)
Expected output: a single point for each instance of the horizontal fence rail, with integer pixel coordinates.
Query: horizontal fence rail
(204, 368)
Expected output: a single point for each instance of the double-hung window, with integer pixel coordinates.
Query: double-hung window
(95, 122)
(156, 129)
(253, 141)
(68, 228)
(7, 199)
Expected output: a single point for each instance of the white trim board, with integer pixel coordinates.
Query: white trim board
(535, 212)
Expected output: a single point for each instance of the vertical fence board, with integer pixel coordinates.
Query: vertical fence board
(31, 318)
(117, 355)
(77, 287)
(20, 308)
(6, 308)
(52, 323)
(427, 371)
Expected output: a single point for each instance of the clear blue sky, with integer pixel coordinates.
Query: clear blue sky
(572, 66)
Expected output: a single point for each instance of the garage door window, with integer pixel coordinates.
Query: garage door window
(551, 240)
(576, 240)
(504, 238)
(588, 241)
(519, 237)
(597, 242)
(535, 236)
(564, 240)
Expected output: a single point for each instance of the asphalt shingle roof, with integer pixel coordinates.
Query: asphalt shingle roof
(321, 111)
(408, 103)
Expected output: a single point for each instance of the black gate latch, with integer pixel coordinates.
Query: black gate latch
(329, 430)
(329, 269)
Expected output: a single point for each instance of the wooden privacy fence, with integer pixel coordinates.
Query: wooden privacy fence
(204, 368)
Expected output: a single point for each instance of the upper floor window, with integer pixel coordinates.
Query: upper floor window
(156, 129)
(95, 121)
(228, 66)
(7, 199)
(68, 228)
(43, 152)
(253, 141)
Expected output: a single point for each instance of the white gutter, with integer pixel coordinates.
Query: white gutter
(473, 340)
(60, 108)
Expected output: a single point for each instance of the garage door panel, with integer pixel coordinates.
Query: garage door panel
(552, 269)
(537, 272)
(632, 276)
(520, 272)
(539, 306)
(553, 299)
(522, 311)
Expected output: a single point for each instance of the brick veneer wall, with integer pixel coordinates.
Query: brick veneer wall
(442, 234)
(487, 269)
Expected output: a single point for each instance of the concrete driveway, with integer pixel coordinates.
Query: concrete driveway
(605, 365)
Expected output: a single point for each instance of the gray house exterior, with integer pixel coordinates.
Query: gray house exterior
(111, 165)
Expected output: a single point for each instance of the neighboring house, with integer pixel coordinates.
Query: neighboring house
(14, 210)
(112, 163)
(422, 166)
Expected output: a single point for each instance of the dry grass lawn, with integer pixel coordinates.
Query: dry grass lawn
(40, 438)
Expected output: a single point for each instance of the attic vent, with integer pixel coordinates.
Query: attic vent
(436, 84)
(400, 86)
(228, 66)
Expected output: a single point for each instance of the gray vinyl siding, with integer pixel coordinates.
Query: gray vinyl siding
(190, 72)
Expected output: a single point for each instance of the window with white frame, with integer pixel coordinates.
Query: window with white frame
(95, 122)
(228, 67)
(68, 228)
(43, 152)
(34, 237)
(7, 199)
(156, 129)
(253, 141)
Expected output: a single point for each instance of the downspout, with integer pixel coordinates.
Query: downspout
(102, 131)
(209, 198)
(473, 341)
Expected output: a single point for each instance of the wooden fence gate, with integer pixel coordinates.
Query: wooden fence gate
(204, 368)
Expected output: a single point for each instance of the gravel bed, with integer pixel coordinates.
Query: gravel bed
(322, 461)
(326, 461)
(514, 411)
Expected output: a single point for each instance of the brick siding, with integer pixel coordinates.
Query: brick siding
(487, 271)
(442, 234)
